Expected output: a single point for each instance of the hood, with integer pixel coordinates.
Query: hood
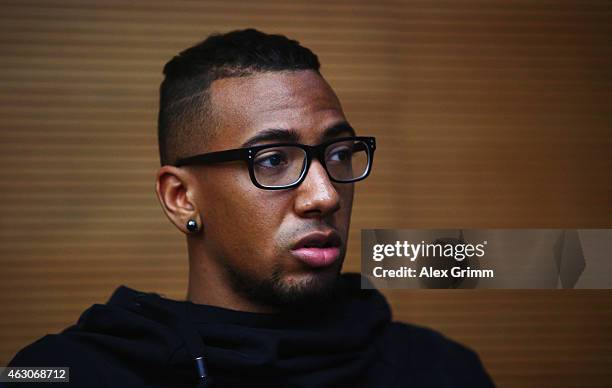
(187, 344)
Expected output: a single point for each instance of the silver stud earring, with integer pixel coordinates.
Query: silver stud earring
(192, 225)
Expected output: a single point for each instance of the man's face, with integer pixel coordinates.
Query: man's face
(276, 247)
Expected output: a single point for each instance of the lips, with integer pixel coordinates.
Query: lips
(318, 249)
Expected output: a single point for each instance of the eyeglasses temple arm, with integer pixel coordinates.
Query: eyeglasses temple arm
(214, 157)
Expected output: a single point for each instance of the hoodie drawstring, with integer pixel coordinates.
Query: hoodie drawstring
(185, 329)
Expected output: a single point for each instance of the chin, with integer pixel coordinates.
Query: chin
(310, 281)
(291, 291)
(308, 288)
(285, 288)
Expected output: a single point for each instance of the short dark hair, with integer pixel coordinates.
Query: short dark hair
(184, 108)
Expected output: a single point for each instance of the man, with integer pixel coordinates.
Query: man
(258, 168)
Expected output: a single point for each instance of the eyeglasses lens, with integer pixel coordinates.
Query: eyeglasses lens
(347, 160)
(283, 166)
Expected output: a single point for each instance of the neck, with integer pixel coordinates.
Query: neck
(209, 283)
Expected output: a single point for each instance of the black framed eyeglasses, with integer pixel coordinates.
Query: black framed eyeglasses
(285, 165)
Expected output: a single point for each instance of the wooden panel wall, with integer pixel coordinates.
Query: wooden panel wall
(487, 113)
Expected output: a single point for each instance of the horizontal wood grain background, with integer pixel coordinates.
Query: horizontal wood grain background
(488, 114)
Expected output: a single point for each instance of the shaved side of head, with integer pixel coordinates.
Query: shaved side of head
(187, 121)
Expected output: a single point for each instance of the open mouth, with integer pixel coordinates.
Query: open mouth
(326, 244)
(318, 249)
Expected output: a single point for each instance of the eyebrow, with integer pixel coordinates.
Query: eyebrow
(291, 136)
(273, 134)
(338, 129)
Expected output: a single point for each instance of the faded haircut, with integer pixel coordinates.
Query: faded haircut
(185, 114)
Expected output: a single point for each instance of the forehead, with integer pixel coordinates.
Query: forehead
(300, 101)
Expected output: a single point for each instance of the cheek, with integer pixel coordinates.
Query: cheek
(259, 213)
(346, 193)
(241, 220)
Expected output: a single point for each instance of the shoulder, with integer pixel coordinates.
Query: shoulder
(432, 358)
(58, 350)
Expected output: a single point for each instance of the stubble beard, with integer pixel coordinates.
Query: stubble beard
(276, 291)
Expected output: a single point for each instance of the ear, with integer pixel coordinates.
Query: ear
(175, 195)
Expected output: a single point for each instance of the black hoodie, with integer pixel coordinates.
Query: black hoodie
(144, 340)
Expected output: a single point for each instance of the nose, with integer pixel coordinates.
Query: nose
(316, 196)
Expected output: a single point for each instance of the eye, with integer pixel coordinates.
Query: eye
(339, 154)
(271, 159)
